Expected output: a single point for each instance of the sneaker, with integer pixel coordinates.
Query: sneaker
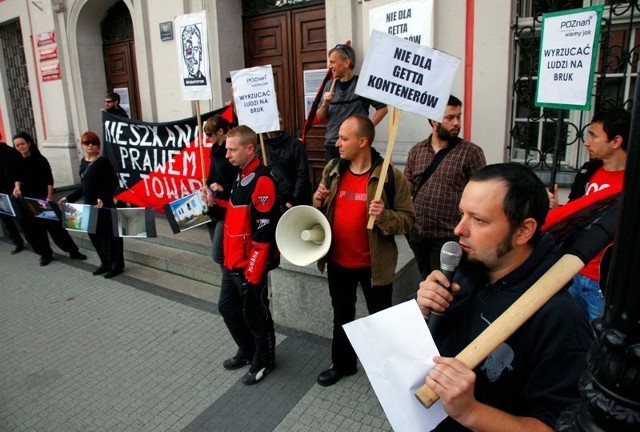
(17, 249)
(77, 255)
(255, 375)
(45, 260)
(235, 362)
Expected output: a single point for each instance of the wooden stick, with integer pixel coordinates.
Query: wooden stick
(511, 319)
(264, 151)
(333, 85)
(200, 143)
(394, 122)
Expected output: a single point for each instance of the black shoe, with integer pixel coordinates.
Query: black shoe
(77, 255)
(45, 260)
(100, 270)
(235, 362)
(331, 376)
(17, 249)
(112, 273)
(256, 374)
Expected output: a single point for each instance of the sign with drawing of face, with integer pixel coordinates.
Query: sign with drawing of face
(192, 56)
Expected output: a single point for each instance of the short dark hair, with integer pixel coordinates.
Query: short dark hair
(454, 101)
(615, 121)
(526, 195)
(113, 95)
(365, 128)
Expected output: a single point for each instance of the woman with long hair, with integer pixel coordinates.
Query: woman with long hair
(98, 185)
(34, 179)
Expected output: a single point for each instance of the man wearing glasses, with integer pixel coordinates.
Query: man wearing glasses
(112, 105)
(340, 100)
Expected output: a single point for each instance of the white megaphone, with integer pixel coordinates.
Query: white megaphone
(303, 235)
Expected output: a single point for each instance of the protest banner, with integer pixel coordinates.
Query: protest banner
(408, 19)
(406, 75)
(156, 162)
(193, 58)
(255, 98)
(568, 54)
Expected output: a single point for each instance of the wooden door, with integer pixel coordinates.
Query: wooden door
(120, 70)
(291, 41)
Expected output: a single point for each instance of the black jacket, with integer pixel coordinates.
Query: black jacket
(289, 167)
(9, 158)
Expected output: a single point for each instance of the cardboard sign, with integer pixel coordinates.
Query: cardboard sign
(407, 76)
(193, 57)
(408, 19)
(255, 98)
(568, 54)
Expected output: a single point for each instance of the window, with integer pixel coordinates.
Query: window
(533, 129)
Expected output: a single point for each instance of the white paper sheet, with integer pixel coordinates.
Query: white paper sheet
(396, 349)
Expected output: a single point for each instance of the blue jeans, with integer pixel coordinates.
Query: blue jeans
(588, 295)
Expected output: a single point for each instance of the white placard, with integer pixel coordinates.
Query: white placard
(313, 79)
(255, 98)
(406, 75)
(408, 19)
(397, 363)
(193, 56)
(568, 52)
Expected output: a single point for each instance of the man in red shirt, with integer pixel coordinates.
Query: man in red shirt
(603, 175)
(358, 255)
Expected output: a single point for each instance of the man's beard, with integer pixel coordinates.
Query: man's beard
(445, 135)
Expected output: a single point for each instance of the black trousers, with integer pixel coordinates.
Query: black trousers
(11, 229)
(36, 229)
(245, 310)
(427, 251)
(110, 249)
(343, 283)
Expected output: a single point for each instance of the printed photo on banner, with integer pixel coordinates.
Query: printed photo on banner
(186, 213)
(255, 98)
(156, 162)
(407, 76)
(79, 217)
(7, 206)
(193, 57)
(409, 19)
(134, 222)
(42, 209)
(568, 55)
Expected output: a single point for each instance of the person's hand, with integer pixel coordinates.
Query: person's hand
(62, 201)
(376, 208)
(16, 192)
(435, 293)
(327, 97)
(553, 197)
(215, 187)
(207, 196)
(288, 205)
(454, 383)
(99, 203)
(320, 195)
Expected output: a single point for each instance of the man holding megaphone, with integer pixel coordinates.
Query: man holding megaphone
(358, 255)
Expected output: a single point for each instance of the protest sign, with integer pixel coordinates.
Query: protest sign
(408, 19)
(156, 162)
(193, 57)
(255, 98)
(568, 54)
(407, 76)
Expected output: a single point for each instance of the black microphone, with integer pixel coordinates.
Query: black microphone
(450, 256)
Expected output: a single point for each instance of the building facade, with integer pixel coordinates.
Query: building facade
(60, 57)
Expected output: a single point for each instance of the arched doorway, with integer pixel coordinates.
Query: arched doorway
(118, 47)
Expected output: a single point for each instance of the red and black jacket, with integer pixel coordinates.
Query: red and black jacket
(250, 223)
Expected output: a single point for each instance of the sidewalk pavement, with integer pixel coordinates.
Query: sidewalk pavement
(83, 353)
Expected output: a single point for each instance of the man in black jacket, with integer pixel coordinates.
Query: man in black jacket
(289, 167)
(8, 158)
